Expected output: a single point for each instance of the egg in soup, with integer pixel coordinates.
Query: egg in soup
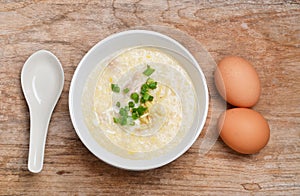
(139, 103)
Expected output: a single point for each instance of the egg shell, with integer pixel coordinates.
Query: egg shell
(244, 130)
(237, 82)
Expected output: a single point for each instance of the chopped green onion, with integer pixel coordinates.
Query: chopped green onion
(131, 104)
(135, 97)
(141, 110)
(148, 71)
(116, 120)
(142, 100)
(144, 88)
(146, 96)
(150, 98)
(151, 83)
(123, 112)
(130, 113)
(123, 120)
(126, 90)
(135, 116)
(115, 88)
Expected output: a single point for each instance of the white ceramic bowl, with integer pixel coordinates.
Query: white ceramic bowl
(107, 47)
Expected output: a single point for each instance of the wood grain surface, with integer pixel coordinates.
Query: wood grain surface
(267, 33)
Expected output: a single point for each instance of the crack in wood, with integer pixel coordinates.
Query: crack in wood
(62, 172)
(135, 12)
(114, 8)
(251, 186)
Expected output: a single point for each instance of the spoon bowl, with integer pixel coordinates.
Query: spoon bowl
(42, 80)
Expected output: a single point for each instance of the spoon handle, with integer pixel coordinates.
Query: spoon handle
(39, 122)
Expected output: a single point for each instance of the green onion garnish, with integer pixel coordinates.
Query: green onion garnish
(115, 88)
(148, 71)
(123, 120)
(135, 116)
(130, 113)
(151, 83)
(123, 112)
(141, 110)
(116, 120)
(150, 98)
(131, 104)
(134, 110)
(135, 97)
(126, 90)
(146, 96)
(144, 88)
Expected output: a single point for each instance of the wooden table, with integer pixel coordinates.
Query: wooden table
(267, 33)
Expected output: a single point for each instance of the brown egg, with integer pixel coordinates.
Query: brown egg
(244, 130)
(237, 82)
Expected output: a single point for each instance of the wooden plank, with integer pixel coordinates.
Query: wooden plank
(267, 33)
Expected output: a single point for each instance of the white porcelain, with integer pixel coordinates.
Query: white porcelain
(42, 80)
(109, 46)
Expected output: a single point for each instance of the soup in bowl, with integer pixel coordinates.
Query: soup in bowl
(138, 100)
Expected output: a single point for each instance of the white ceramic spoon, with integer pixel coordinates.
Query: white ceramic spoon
(42, 80)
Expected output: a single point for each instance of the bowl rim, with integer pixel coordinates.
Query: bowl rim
(191, 141)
